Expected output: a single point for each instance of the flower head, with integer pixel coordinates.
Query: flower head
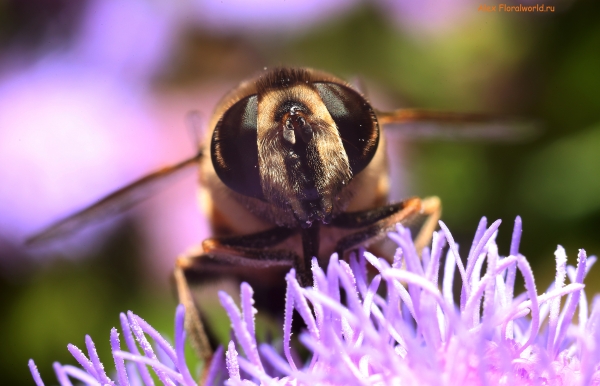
(413, 333)
(165, 361)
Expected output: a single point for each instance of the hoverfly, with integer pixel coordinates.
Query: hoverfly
(294, 166)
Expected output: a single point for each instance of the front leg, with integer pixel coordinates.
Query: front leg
(376, 223)
(244, 257)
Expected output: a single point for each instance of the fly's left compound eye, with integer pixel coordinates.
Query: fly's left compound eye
(355, 120)
(234, 149)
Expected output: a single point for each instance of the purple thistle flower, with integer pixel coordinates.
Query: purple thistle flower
(414, 334)
(159, 356)
(418, 334)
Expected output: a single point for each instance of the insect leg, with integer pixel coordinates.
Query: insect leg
(374, 224)
(310, 249)
(221, 257)
(264, 239)
(357, 220)
(432, 208)
(193, 322)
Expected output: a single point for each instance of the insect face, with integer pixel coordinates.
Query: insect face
(295, 143)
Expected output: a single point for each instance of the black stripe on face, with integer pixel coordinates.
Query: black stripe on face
(234, 149)
(355, 120)
(301, 162)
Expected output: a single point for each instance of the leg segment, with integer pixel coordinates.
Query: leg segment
(374, 224)
(431, 207)
(310, 249)
(264, 239)
(232, 256)
(193, 322)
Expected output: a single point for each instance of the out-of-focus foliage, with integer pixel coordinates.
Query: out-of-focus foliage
(541, 67)
(562, 177)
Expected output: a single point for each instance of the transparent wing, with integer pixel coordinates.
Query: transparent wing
(114, 203)
(431, 124)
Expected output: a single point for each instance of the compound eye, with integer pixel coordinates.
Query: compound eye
(355, 120)
(234, 149)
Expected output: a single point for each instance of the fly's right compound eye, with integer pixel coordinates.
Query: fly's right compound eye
(234, 149)
(355, 120)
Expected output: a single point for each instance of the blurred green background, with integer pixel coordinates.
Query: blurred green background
(542, 67)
